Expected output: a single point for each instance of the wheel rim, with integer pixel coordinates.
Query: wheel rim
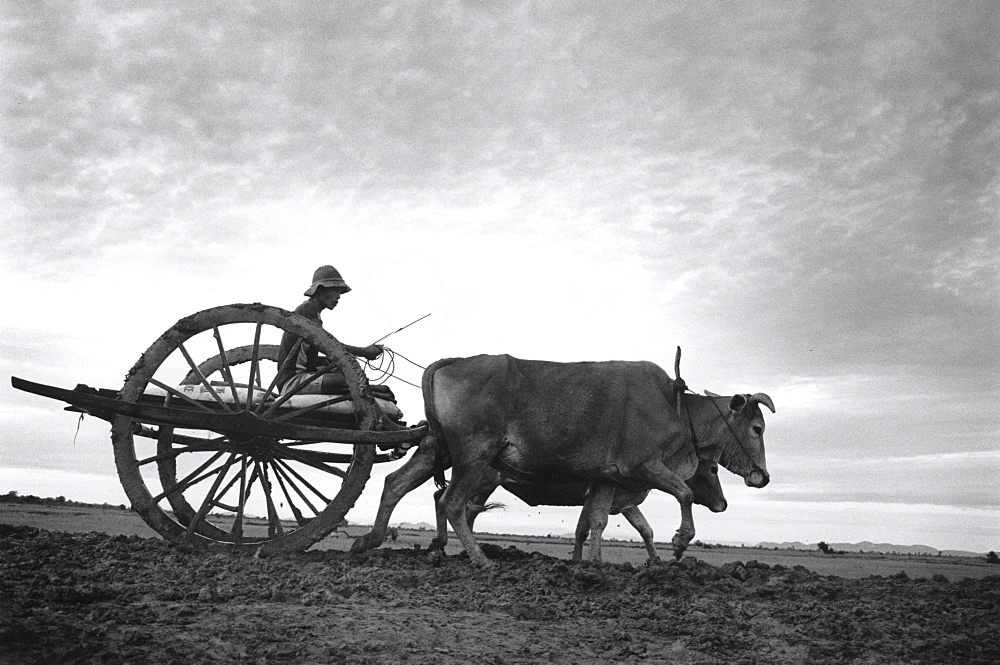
(231, 477)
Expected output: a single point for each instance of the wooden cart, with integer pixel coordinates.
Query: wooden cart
(228, 463)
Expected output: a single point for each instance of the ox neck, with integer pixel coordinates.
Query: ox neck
(711, 451)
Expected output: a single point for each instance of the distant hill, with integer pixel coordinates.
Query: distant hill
(868, 546)
(31, 499)
(419, 526)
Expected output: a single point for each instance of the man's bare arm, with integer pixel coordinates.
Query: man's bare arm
(370, 352)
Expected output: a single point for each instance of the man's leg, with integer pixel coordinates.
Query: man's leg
(332, 383)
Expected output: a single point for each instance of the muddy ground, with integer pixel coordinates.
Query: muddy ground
(96, 598)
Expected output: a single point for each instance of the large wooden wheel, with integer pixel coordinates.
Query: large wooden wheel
(265, 493)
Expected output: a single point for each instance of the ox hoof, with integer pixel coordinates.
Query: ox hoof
(362, 545)
(437, 544)
(484, 564)
(680, 545)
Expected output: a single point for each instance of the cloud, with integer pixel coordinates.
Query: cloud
(802, 197)
(955, 478)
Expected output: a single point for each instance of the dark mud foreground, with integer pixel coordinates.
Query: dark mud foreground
(93, 598)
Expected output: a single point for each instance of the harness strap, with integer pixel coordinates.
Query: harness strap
(735, 436)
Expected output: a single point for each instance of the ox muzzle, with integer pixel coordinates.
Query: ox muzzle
(757, 478)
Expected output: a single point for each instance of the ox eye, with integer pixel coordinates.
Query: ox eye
(758, 430)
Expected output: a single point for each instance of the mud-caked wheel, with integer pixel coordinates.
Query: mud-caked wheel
(234, 489)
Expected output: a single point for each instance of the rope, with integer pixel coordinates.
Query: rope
(694, 436)
(78, 423)
(386, 367)
(739, 441)
(408, 360)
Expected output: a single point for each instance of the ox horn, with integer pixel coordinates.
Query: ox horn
(763, 399)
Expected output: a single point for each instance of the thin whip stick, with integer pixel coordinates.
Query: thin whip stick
(403, 328)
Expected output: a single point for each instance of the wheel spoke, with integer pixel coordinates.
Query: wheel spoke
(173, 391)
(191, 479)
(210, 496)
(201, 377)
(297, 389)
(253, 477)
(317, 460)
(279, 474)
(287, 467)
(209, 444)
(226, 489)
(195, 481)
(273, 521)
(237, 531)
(254, 366)
(289, 359)
(226, 370)
(280, 470)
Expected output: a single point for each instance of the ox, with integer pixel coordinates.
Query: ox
(609, 424)
(705, 488)
(598, 500)
(606, 423)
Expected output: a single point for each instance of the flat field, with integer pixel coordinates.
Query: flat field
(84, 519)
(92, 585)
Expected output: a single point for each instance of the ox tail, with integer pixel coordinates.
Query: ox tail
(442, 456)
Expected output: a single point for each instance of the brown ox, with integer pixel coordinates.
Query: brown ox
(609, 424)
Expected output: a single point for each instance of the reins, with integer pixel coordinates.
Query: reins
(387, 367)
(680, 387)
(735, 436)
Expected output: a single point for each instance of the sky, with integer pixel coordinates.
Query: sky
(802, 195)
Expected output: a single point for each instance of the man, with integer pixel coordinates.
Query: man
(324, 293)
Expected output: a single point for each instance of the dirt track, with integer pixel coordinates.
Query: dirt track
(94, 598)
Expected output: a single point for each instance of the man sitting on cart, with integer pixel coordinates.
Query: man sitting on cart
(324, 293)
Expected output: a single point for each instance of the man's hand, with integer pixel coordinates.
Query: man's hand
(372, 351)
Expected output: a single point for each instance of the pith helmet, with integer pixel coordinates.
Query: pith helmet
(327, 276)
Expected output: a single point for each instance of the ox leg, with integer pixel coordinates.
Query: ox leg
(637, 520)
(582, 531)
(441, 539)
(597, 506)
(465, 484)
(665, 480)
(476, 506)
(417, 470)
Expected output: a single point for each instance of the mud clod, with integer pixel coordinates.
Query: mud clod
(93, 598)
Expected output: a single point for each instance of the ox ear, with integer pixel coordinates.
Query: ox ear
(763, 398)
(738, 402)
(711, 394)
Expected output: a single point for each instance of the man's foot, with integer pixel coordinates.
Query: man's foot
(400, 451)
